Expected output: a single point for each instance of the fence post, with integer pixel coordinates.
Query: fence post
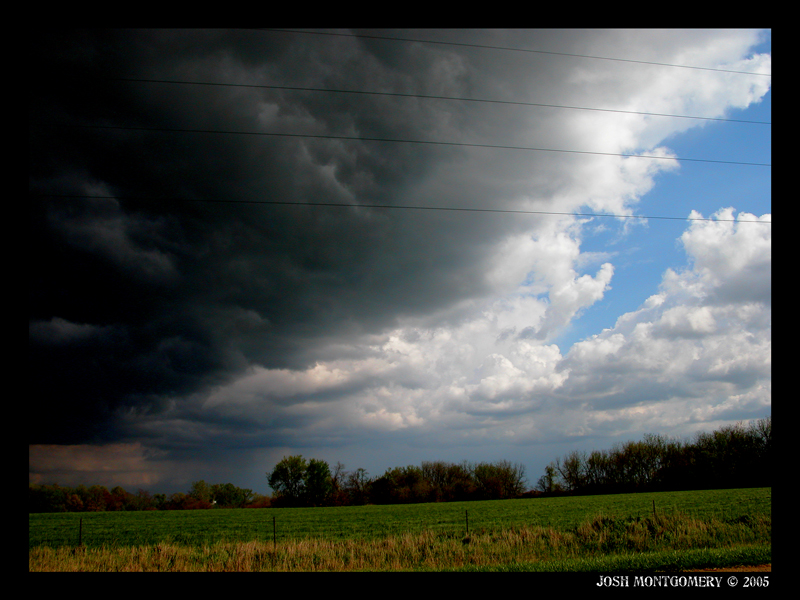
(466, 516)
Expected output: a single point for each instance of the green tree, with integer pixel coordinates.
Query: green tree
(227, 495)
(47, 498)
(401, 485)
(287, 479)
(548, 483)
(201, 491)
(499, 480)
(318, 485)
(459, 483)
(119, 499)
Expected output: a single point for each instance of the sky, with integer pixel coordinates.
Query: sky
(458, 245)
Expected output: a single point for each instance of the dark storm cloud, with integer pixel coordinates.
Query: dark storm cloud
(186, 322)
(161, 287)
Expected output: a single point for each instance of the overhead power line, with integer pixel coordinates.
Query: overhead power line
(429, 97)
(406, 141)
(510, 49)
(391, 206)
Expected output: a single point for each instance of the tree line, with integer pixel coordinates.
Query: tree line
(735, 456)
(297, 481)
(95, 498)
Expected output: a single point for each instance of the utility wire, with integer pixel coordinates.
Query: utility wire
(487, 47)
(397, 94)
(406, 141)
(394, 207)
(428, 97)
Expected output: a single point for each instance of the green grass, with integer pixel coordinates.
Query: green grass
(601, 544)
(376, 522)
(593, 533)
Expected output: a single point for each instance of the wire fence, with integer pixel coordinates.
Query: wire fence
(277, 525)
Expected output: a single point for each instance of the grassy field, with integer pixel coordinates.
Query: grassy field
(705, 528)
